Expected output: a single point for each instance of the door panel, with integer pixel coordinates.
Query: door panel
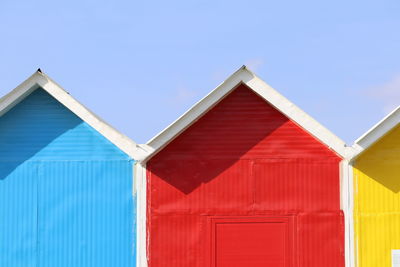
(252, 241)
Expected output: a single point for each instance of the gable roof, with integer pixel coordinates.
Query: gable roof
(378, 131)
(245, 76)
(40, 80)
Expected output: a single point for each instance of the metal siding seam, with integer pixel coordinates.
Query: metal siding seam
(38, 175)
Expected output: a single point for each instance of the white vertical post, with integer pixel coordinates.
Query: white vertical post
(140, 174)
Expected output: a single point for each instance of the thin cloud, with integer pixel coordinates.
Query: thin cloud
(387, 93)
(254, 64)
(182, 96)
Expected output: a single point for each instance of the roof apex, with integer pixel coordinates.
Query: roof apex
(40, 80)
(377, 132)
(245, 76)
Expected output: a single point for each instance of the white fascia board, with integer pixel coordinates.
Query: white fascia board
(40, 80)
(18, 94)
(299, 116)
(377, 132)
(245, 76)
(196, 111)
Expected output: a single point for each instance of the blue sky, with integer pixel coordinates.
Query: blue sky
(141, 64)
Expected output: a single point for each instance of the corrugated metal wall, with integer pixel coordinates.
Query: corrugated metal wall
(377, 201)
(65, 191)
(243, 158)
(18, 214)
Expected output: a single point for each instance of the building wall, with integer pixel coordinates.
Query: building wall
(66, 194)
(243, 159)
(377, 201)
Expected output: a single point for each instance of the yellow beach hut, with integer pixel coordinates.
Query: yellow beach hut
(376, 180)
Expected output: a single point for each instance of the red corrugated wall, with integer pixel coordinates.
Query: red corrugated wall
(243, 158)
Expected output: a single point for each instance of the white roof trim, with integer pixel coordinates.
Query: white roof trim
(377, 132)
(245, 76)
(40, 80)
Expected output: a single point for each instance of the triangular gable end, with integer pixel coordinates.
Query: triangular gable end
(377, 132)
(245, 76)
(40, 80)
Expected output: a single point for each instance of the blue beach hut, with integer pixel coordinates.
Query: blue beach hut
(67, 195)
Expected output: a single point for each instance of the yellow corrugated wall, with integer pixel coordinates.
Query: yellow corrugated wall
(377, 201)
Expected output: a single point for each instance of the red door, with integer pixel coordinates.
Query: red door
(252, 241)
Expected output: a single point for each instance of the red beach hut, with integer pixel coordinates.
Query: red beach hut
(244, 178)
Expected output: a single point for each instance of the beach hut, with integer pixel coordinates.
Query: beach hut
(376, 179)
(66, 182)
(244, 178)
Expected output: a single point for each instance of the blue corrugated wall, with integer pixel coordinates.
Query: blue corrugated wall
(66, 192)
